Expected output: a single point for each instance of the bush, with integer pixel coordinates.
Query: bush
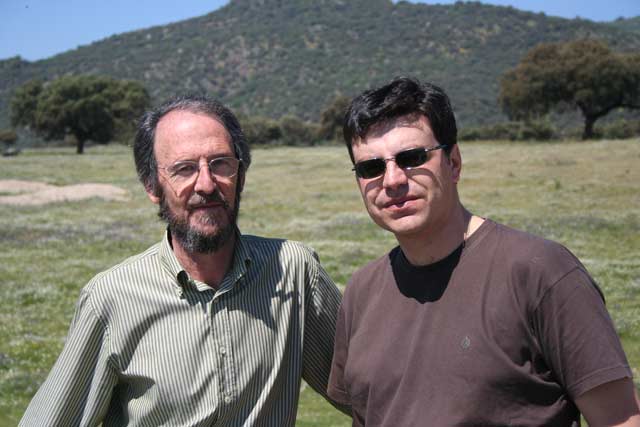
(8, 136)
(538, 130)
(332, 119)
(620, 129)
(298, 132)
(260, 130)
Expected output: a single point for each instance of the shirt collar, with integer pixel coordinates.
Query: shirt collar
(181, 280)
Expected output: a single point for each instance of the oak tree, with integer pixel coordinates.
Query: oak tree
(87, 107)
(582, 74)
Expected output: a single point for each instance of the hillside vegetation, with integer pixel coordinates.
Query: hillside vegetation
(628, 24)
(277, 57)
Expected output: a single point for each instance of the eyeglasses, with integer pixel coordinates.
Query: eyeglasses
(408, 159)
(184, 173)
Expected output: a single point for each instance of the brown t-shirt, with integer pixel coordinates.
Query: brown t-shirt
(507, 330)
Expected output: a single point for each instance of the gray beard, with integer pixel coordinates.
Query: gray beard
(193, 240)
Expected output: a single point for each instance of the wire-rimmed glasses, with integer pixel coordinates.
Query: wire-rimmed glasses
(184, 173)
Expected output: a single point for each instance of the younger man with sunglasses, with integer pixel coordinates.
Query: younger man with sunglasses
(467, 322)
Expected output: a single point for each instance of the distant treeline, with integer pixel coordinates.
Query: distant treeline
(582, 75)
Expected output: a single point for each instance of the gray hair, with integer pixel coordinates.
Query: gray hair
(145, 159)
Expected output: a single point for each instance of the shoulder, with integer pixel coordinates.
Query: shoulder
(536, 263)
(525, 250)
(120, 279)
(285, 258)
(135, 265)
(264, 248)
(374, 267)
(368, 278)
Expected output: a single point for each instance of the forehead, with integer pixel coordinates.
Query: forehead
(385, 139)
(184, 135)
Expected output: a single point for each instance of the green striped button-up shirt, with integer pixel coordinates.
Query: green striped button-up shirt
(148, 346)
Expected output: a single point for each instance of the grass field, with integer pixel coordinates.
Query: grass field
(584, 195)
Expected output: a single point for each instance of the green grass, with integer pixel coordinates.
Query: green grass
(584, 195)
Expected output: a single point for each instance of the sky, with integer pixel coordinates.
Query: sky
(38, 29)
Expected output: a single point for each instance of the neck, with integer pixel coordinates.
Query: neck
(438, 242)
(209, 268)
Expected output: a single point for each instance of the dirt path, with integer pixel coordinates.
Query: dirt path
(32, 193)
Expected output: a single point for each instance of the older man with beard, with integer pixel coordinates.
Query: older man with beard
(209, 327)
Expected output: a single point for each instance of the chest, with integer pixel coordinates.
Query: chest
(473, 342)
(206, 351)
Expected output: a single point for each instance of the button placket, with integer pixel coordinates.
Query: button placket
(219, 316)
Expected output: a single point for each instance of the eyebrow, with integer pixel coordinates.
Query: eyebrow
(208, 159)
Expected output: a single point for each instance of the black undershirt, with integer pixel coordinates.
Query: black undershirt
(423, 283)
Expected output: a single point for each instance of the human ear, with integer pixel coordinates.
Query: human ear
(240, 183)
(152, 194)
(455, 160)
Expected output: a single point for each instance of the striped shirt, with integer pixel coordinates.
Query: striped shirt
(150, 346)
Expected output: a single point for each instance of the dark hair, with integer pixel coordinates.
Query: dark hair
(401, 97)
(143, 153)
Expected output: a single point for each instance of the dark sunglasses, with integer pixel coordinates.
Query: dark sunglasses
(407, 159)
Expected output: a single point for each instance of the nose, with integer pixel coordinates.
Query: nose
(205, 183)
(394, 176)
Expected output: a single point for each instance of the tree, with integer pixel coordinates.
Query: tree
(87, 107)
(24, 102)
(582, 74)
(332, 119)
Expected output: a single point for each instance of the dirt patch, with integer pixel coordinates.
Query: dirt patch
(32, 193)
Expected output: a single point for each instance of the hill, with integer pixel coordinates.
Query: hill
(628, 24)
(276, 57)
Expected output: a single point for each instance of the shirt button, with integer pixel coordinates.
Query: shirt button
(223, 350)
(227, 399)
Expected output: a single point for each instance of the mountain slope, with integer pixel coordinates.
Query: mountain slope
(276, 57)
(628, 24)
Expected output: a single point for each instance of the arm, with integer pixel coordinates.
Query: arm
(79, 387)
(611, 404)
(583, 349)
(321, 308)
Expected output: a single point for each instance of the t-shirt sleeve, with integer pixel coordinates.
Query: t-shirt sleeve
(79, 387)
(336, 389)
(577, 335)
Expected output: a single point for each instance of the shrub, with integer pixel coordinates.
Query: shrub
(332, 119)
(537, 130)
(620, 129)
(8, 136)
(260, 130)
(298, 132)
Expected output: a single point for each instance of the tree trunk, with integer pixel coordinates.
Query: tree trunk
(588, 127)
(80, 146)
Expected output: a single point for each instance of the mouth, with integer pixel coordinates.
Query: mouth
(205, 206)
(207, 203)
(398, 203)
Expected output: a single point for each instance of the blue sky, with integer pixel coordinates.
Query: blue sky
(37, 29)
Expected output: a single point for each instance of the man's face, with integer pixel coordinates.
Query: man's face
(411, 203)
(201, 212)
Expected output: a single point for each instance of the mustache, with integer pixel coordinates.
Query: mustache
(203, 199)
